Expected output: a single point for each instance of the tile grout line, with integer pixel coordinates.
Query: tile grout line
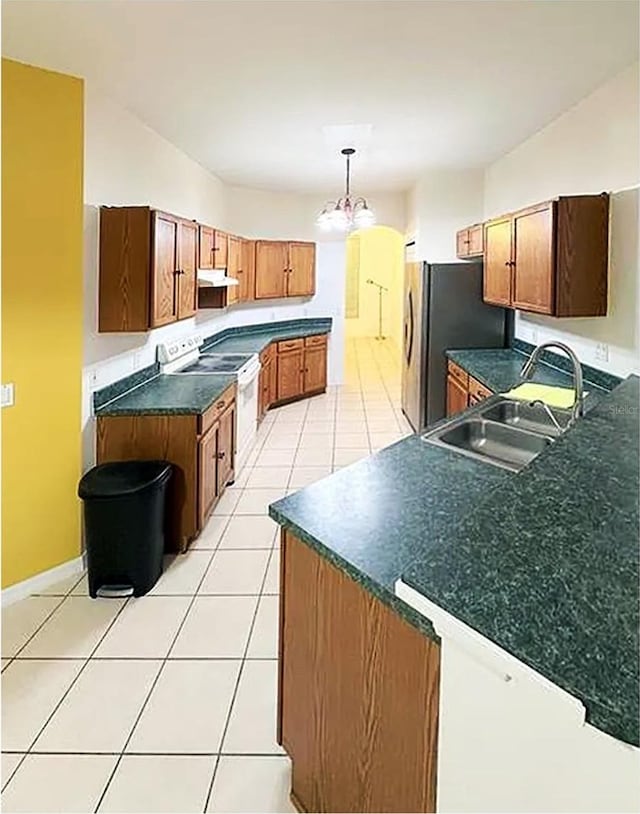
(154, 683)
(237, 684)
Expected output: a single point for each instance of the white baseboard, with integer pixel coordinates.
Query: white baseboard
(21, 590)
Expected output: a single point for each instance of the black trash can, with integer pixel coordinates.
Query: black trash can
(124, 513)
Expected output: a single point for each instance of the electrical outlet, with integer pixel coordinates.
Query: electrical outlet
(137, 361)
(94, 380)
(7, 398)
(534, 336)
(602, 352)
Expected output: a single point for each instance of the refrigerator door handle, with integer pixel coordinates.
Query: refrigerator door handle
(408, 330)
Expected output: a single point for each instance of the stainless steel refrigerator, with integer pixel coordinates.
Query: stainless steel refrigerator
(443, 309)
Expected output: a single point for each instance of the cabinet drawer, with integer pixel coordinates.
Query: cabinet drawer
(478, 391)
(290, 344)
(217, 409)
(315, 341)
(458, 373)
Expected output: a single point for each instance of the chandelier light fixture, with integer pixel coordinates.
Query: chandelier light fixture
(346, 213)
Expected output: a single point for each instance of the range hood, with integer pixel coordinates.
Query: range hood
(215, 278)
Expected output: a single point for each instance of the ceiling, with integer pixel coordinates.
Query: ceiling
(261, 92)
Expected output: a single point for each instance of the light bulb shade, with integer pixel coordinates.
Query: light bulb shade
(364, 217)
(324, 220)
(339, 219)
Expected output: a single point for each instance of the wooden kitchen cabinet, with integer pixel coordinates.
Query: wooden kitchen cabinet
(315, 364)
(470, 241)
(284, 269)
(290, 374)
(272, 262)
(358, 695)
(188, 266)
(301, 276)
(247, 271)
(200, 447)
(457, 396)
(292, 369)
(220, 249)
(205, 246)
(551, 258)
(496, 280)
(234, 245)
(147, 268)
(463, 390)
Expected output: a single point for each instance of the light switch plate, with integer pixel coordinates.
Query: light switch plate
(7, 397)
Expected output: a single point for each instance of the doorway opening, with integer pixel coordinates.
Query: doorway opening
(374, 285)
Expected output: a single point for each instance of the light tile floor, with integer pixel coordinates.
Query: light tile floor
(167, 703)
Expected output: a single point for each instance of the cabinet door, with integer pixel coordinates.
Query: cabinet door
(207, 473)
(475, 246)
(188, 251)
(497, 262)
(301, 275)
(220, 249)
(271, 269)
(533, 238)
(165, 270)
(315, 369)
(272, 391)
(233, 266)
(462, 243)
(226, 447)
(290, 374)
(457, 396)
(205, 247)
(358, 693)
(247, 271)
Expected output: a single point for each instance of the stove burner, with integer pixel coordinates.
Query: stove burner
(223, 363)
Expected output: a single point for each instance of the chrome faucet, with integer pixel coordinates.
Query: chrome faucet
(578, 402)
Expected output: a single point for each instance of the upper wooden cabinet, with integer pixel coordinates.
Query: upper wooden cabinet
(147, 275)
(234, 245)
(551, 258)
(272, 263)
(470, 241)
(301, 275)
(497, 262)
(247, 271)
(284, 269)
(205, 246)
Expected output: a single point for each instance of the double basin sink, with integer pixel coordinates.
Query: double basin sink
(505, 433)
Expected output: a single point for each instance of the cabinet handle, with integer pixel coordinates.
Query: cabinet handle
(220, 405)
(221, 455)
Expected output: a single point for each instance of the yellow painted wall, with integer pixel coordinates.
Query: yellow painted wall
(381, 258)
(42, 161)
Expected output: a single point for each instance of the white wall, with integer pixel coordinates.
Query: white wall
(438, 205)
(276, 215)
(592, 147)
(127, 163)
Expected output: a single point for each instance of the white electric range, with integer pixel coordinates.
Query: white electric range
(183, 357)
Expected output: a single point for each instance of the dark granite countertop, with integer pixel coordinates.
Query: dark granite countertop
(170, 395)
(543, 562)
(255, 338)
(146, 392)
(548, 566)
(499, 370)
(372, 518)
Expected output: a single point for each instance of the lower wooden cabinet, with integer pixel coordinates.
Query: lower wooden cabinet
(201, 448)
(457, 396)
(292, 369)
(463, 390)
(358, 693)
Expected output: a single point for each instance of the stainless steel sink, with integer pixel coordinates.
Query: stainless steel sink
(526, 416)
(497, 443)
